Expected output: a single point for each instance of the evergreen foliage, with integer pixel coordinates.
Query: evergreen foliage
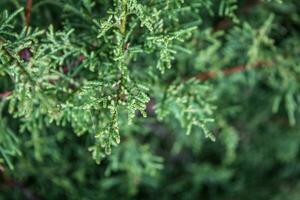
(188, 99)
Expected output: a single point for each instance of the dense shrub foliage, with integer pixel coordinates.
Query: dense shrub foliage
(131, 99)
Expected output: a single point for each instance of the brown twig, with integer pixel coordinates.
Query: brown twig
(5, 94)
(28, 13)
(228, 71)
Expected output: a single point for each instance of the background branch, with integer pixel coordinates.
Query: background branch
(228, 71)
(28, 12)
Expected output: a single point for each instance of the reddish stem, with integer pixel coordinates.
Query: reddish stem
(227, 71)
(5, 94)
(28, 12)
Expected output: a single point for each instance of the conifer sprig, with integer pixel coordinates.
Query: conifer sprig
(94, 70)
